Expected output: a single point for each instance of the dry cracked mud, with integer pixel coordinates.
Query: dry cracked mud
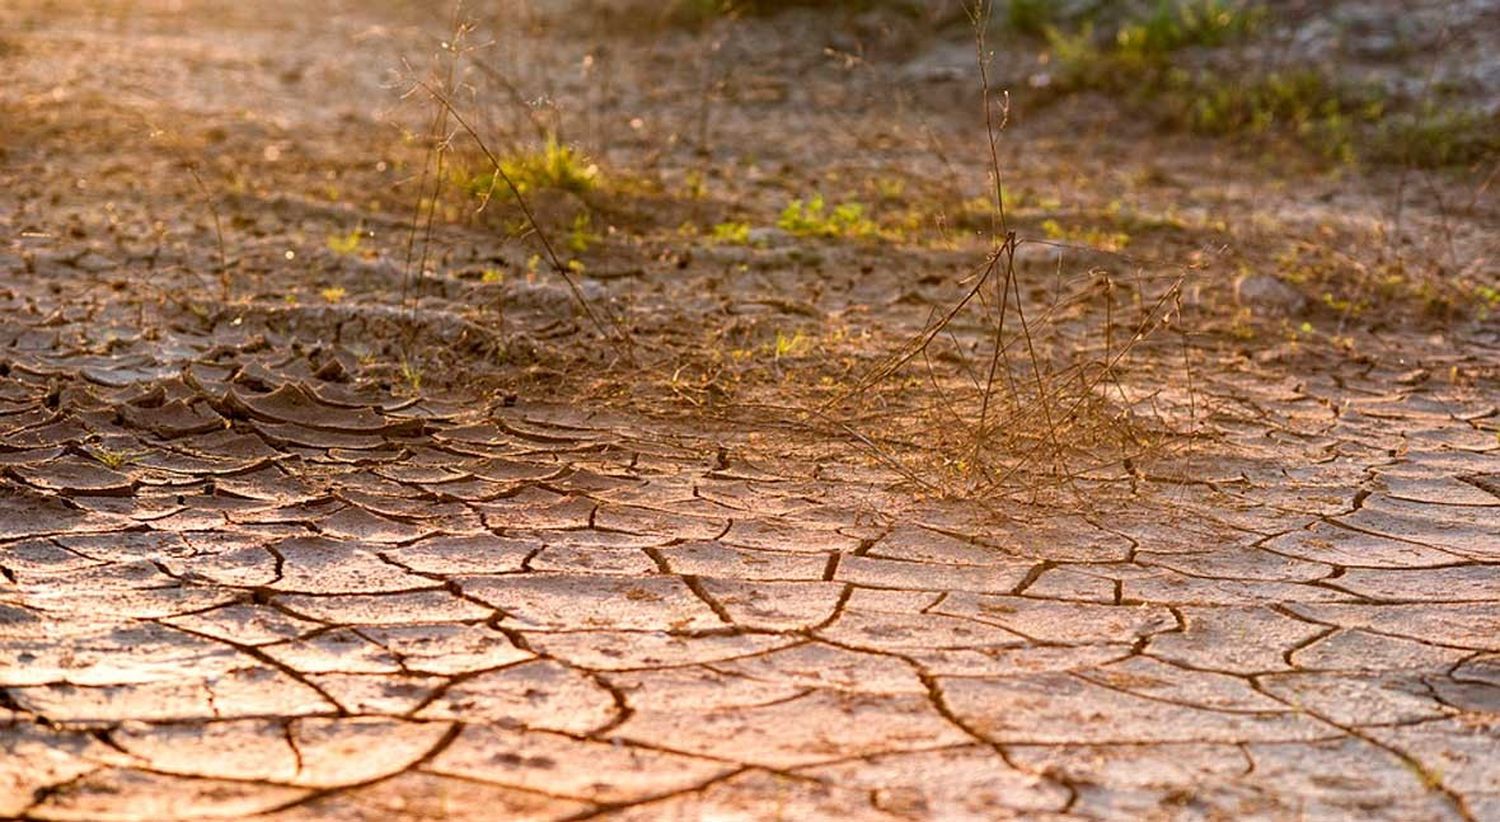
(245, 574)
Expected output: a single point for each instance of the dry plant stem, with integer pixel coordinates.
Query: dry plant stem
(979, 15)
(432, 168)
(1187, 364)
(889, 460)
(999, 354)
(1045, 426)
(547, 246)
(440, 149)
(538, 123)
(416, 219)
(213, 208)
(1043, 393)
(1072, 411)
(919, 344)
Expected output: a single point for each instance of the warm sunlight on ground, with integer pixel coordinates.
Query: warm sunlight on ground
(876, 409)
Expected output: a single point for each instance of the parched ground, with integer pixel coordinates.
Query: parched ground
(306, 514)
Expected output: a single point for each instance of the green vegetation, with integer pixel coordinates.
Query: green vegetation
(1186, 23)
(1300, 103)
(731, 233)
(1435, 137)
(1343, 121)
(581, 234)
(112, 458)
(411, 377)
(699, 10)
(1141, 49)
(346, 245)
(555, 166)
(813, 218)
(1032, 16)
(1091, 236)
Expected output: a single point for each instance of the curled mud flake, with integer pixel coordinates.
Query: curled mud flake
(452, 555)
(1055, 708)
(540, 761)
(572, 601)
(715, 559)
(1472, 625)
(500, 470)
(177, 418)
(159, 796)
(1465, 583)
(775, 606)
(623, 562)
(1357, 699)
(293, 403)
(418, 794)
(268, 483)
(787, 535)
(875, 572)
(954, 783)
(397, 608)
(609, 650)
(27, 513)
(77, 476)
(817, 727)
(355, 523)
(301, 435)
(320, 565)
(541, 695)
(447, 649)
(225, 451)
(637, 520)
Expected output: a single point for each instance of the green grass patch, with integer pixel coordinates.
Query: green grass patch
(693, 11)
(731, 233)
(553, 166)
(815, 218)
(1341, 120)
(1139, 50)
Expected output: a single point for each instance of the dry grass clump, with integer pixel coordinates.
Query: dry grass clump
(999, 395)
(1025, 382)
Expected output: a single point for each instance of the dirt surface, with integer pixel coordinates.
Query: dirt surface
(306, 514)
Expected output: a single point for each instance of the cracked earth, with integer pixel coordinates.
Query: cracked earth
(244, 577)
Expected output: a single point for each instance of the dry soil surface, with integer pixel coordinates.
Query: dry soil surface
(255, 563)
